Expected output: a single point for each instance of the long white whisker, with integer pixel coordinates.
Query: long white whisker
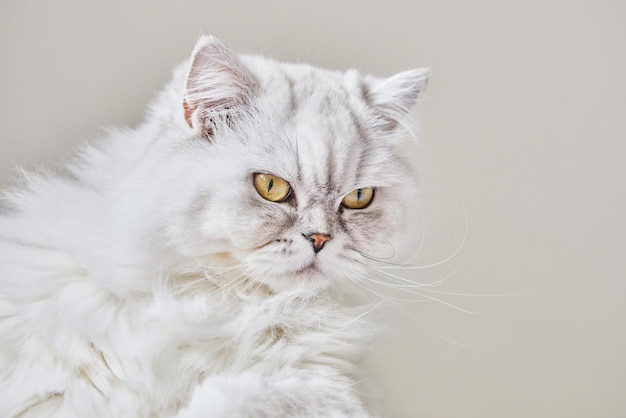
(373, 308)
(421, 244)
(413, 284)
(378, 295)
(404, 266)
(445, 337)
(234, 282)
(432, 298)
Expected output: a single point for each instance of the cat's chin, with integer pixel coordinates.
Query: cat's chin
(309, 277)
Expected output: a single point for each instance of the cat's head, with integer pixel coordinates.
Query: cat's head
(289, 170)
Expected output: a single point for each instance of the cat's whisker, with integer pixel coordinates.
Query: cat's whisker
(358, 290)
(249, 284)
(367, 312)
(213, 273)
(384, 298)
(431, 298)
(443, 336)
(392, 266)
(420, 247)
(405, 266)
(236, 281)
(206, 274)
(397, 301)
(378, 259)
(421, 244)
(400, 303)
(412, 283)
(405, 286)
(426, 286)
(429, 287)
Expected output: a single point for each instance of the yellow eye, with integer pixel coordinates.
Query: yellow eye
(359, 198)
(272, 188)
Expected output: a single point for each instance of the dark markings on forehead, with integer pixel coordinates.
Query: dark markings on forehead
(292, 101)
(348, 171)
(330, 101)
(331, 151)
(298, 165)
(365, 154)
(344, 144)
(365, 149)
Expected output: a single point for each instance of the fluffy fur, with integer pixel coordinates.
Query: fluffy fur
(152, 280)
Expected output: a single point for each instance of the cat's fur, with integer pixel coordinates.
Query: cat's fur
(152, 280)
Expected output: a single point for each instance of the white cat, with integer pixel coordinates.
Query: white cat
(196, 266)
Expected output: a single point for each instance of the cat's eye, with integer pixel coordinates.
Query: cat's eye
(272, 187)
(358, 198)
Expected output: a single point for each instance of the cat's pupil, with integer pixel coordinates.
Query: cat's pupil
(358, 194)
(270, 185)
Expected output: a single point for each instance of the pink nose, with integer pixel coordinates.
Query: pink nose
(318, 241)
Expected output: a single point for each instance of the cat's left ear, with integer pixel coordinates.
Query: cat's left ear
(218, 86)
(394, 97)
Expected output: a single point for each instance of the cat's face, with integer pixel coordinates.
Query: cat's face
(291, 171)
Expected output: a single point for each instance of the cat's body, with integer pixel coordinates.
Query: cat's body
(153, 280)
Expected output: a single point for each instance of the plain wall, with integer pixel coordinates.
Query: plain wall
(522, 146)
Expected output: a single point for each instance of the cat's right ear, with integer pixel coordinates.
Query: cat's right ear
(217, 87)
(394, 97)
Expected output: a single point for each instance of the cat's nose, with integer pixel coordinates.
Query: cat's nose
(318, 240)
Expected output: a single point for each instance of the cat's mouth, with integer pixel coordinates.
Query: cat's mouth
(307, 268)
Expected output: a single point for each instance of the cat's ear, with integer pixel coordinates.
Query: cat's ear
(218, 86)
(394, 97)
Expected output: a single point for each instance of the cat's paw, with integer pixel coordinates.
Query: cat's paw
(250, 395)
(222, 396)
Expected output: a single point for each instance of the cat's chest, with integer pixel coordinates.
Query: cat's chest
(209, 336)
(230, 340)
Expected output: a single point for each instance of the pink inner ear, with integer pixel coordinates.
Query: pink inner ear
(217, 84)
(188, 112)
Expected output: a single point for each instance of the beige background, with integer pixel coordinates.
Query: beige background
(523, 126)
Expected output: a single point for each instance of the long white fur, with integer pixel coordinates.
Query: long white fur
(139, 283)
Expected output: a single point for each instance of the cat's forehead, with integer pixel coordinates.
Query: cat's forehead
(314, 129)
(292, 88)
(306, 111)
